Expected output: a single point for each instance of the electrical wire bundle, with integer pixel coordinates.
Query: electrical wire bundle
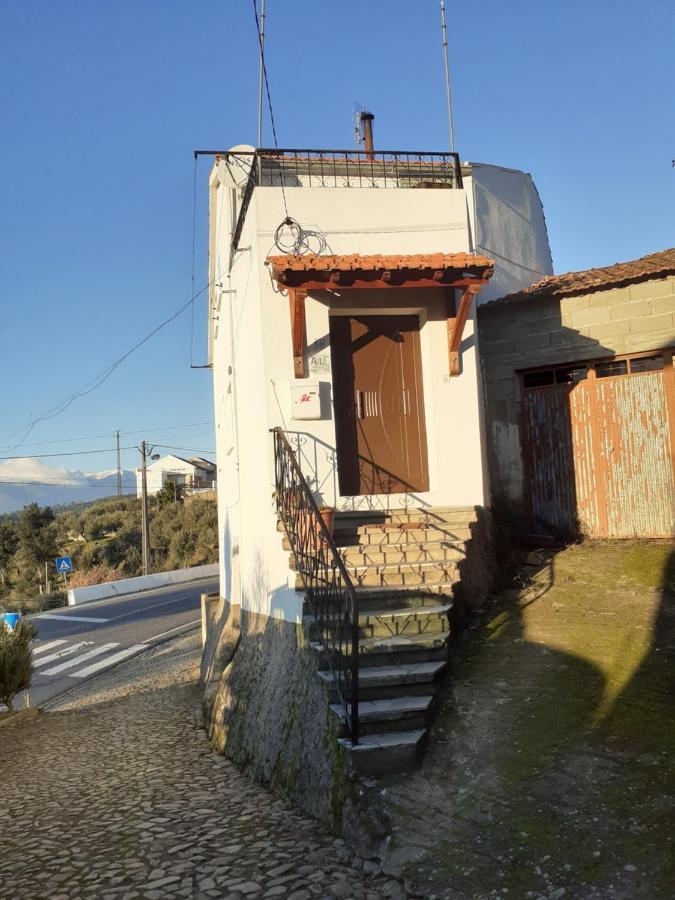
(291, 238)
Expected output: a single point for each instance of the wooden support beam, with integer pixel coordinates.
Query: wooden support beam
(457, 316)
(296, 301)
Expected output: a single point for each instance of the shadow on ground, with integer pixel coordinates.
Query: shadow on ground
(550, 769)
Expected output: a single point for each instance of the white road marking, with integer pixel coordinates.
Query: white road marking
(47, 646)
(59, 653)
(77, 660)
(109, 661)
(144, 609)
(171, 630)
(67, 618)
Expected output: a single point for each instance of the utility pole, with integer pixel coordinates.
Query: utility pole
(145, 521)
(119, 465)
(444, 31)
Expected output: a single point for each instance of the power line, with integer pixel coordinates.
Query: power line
(184, 449)
(70, 453)
(89, 437)
(75, 486)
(103, 376)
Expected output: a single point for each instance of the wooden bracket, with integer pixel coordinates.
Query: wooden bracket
(296, 301)
(457, 316)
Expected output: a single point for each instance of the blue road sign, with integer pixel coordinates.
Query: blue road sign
(64, 564)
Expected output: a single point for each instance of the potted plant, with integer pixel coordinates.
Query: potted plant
(327, 513)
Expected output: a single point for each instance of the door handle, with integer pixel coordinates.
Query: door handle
(359, 404)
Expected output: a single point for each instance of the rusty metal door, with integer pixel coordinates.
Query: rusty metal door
(598, 447)
(379, 404)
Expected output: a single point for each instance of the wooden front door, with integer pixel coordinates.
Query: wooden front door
(379, 404)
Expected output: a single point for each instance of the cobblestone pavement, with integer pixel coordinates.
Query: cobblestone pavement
(116, 794)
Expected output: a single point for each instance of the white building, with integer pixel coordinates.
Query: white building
(342, 310)
(384, 210)
(194, 473)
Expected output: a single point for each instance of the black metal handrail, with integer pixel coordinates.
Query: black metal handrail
(341, 168)
(328, 587)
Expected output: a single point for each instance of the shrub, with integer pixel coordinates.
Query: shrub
(16, 668)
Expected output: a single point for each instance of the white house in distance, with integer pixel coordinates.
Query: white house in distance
(343, 293)
(194, 473)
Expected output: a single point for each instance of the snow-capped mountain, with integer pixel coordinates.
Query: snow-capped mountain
(25, 481)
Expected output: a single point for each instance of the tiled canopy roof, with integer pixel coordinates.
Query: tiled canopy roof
(356, 269)
(656, 265)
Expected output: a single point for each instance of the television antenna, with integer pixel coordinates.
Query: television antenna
(444, 32)
(359, 128)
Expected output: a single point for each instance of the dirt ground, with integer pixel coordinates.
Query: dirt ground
(551, 768)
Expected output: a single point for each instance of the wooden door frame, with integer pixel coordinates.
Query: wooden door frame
(421, 313)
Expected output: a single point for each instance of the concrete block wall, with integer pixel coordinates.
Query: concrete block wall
(531, 332)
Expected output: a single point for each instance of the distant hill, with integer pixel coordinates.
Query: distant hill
(24, 481)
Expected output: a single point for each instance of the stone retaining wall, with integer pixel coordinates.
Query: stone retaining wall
(269, 713)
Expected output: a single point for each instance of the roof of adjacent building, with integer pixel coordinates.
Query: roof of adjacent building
(655, 265)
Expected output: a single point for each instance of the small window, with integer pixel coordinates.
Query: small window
(614, 367)
(647, 364)
(538, 379)
(571, 375)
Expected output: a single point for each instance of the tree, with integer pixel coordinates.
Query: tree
(16, 668)
(37, 545)
(9, 541)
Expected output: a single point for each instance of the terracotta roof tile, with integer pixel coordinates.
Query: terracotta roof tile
(373, 262)
(656, 265)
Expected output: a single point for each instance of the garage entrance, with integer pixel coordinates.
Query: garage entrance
(598, 446)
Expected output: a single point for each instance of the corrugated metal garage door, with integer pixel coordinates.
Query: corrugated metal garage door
(598, 447)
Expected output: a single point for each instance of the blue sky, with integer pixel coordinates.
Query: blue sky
(103, 103)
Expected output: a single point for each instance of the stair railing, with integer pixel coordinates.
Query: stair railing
(332, 599)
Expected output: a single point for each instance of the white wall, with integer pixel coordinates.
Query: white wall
(253, 362)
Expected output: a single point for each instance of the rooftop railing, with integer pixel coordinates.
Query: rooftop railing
(340, 169)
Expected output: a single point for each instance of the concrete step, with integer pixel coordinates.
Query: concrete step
(386, 753)
(404, 574)
(398, 535)
(386, 682)
(398, 576)
(390, 622)
(373, 599)
(403, 622)
(393, 714)
(456, 515)
(392, 554)
(395, 649)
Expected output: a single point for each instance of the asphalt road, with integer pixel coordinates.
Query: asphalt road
(77, 643)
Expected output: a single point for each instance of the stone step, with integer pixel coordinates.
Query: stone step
(386, 753)
(457, 515)
(397, 622)
(393, 714)
(423, 576)
(400, 536)
(395, 650)
(385, 682)
(391, 554)
(399, 598)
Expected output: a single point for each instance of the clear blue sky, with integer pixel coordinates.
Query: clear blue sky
(101, 105)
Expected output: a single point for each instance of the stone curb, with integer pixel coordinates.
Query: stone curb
(20, 716)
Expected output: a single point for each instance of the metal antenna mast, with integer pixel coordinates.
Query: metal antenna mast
(119, 465)
(262, 72)
(447, 75)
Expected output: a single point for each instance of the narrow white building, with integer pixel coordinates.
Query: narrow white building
(343, 295)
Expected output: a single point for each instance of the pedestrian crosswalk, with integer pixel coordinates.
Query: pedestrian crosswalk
(79, 659)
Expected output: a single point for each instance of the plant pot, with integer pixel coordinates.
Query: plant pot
(327, 513)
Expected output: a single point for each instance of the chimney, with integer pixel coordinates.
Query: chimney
(367, 122)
